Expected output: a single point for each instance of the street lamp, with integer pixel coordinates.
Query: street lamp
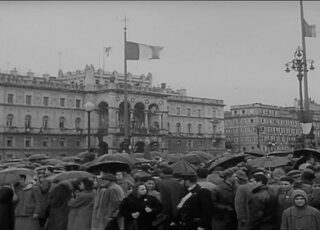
(89, 107)
(298, 65)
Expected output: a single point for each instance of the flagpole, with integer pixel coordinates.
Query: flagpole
(305, 80)
(103, 58)
(126, 112)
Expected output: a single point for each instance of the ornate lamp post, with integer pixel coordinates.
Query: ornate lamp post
(89, 107)
(297, 64)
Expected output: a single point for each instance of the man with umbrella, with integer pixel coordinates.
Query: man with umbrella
(195, 208)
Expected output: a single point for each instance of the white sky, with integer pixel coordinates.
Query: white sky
(229, 50)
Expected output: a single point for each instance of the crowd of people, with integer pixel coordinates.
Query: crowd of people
(238, 197)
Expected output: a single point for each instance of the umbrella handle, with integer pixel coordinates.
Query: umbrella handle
(15, 197)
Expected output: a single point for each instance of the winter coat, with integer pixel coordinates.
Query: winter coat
(28, 204)
(133, 204)
(284, 202)
(6, 209)
(262, 209)
(196, 211)
(170, 192)
(314, 199)
(305, 217)
(223, 203)
(106, 205)
(80, 213)
(242, 196)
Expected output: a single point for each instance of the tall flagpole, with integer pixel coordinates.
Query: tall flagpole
(126, 112)
(305, 80)
(103, 58)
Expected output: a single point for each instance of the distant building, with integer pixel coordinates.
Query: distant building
(260, 127)
(45, 114)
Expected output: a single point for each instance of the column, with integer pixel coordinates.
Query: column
(146, 119)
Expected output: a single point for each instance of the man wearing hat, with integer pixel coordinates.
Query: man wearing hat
(106, 202)
(195, 208)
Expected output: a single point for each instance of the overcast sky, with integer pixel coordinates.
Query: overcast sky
(229, 50)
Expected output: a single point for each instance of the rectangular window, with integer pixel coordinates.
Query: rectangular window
(178, 111)
(45, 142)
(62, 102)
(78, 143)
(189, 111)
(62, 142)
(27, 142)
(45, 101)
(28, 99)
(78, 102)
(199, 112)
(10, 98)
(9, 141)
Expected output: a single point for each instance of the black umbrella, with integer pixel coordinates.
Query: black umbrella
(182, 167)
(227, 161)
(108, 166)
(306, 152)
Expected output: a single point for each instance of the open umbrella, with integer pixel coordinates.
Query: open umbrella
(71, 159)
(173, 157)
(280, 153)
(202, 154)
(268, 162)
(71, 166)
(69, 175)
(196, 158)
(8, 178)
(306, 152)
(256, 153)
(122, 157)
(108, 166)
(37, 157)
(226, 161)
(182, 167)
(17, 171)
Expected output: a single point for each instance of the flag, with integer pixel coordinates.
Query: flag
(107, 50)
(309, 30)
(136, 51)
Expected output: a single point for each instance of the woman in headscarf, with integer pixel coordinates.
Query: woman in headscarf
(300, 215)
(140, 207)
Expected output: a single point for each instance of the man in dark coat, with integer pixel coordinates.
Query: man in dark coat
(195, 208)
(7, 196)
(170, 193)
(262, 205)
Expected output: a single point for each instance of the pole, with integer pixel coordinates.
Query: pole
(126, 112)
(89, 130)
(306, 97)
(103, 58)
(300, 91)
(239, 134)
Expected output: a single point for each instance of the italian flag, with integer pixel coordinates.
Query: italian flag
(136, 51)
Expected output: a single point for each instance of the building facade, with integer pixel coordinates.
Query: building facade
(45, 114)
(264, 128)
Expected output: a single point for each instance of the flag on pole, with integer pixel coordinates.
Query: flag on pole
(136, 51)
(309, 30)
(107, 50)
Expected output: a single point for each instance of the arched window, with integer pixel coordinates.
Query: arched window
(78, 123)
(61, 122)
(189, 128)
(178, 126)
(199, 128)
(27, 121)
(9, 120)
(45, 120)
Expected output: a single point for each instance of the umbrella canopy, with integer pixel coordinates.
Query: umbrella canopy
(202, 154)
(37, 157)
(71, 159)
(173, 157)
(256, 153)
(280, 153)
(8, 178)
(182, 167)
(71, 166)
(108, 166)
(69, 175)
(197, 158)
(17, 171)
(306, 152)
(226, 161)
(268, 162)
(122, 157)
(51, 161)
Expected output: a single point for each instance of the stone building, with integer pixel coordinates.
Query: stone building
(45, 114)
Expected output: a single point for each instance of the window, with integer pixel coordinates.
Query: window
(178, 111)
(189, 143)
(189, 128)
(28, 99)
(214, 113)
(27, 121)
(78, 102)
(45, 120)
(61, 122)
(27, 142)
(77, 123)
(78, 143)
(178, 126)
(9, 120)
(199, 112)
(62, 102)
(9, 141)
(45, 142)
(62, 142)
(189, 112)
(45, 101)
(178, 143)
(199, 128)
(10, 98)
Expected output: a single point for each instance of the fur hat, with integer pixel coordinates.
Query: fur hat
(241, 176)
(227, 173)
(287, 178)
(294, 174)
